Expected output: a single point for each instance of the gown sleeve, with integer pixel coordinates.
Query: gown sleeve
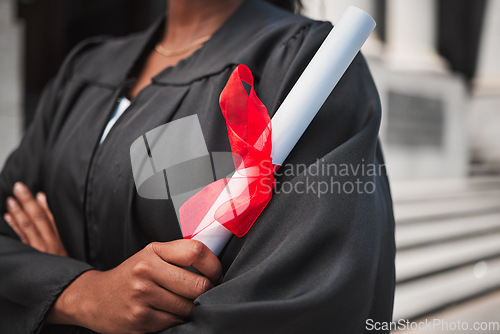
(31, 280)
(314, 262)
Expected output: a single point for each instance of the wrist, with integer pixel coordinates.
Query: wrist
(74, 306)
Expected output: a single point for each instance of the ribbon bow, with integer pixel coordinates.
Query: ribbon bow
(250, 188)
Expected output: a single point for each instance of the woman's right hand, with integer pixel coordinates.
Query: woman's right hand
(148, 292)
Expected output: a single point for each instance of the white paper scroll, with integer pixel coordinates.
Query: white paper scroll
(303, 102)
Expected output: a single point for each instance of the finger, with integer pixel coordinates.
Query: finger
(42, 200)
(34, 211)
(170, 302)
(13, 224)
(24, 223)
(179, 281)
(187, 253)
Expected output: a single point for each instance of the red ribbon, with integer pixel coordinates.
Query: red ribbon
(249, 131)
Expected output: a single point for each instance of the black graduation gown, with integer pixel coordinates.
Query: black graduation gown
(310, 264)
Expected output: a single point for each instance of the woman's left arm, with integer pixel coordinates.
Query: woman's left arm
(33, 221)
(32, 280)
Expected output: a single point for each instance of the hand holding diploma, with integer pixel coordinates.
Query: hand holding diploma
(230, 206)
(147, 292)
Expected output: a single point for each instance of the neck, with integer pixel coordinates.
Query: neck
(188, 20)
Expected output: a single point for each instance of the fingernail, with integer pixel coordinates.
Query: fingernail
(6, 217)
(20, 187)
(40, 197)
(11, 203)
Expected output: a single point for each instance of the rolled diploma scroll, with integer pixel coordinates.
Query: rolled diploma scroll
(301, 105)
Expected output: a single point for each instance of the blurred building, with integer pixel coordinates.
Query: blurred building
(435, 64)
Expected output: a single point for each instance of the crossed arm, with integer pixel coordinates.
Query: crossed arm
(147, 292)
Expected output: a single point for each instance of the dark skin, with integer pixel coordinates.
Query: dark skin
(187, 21)
(149, 291)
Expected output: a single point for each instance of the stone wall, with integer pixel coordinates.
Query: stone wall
(10, 80)
(484, 116)
(424, 104)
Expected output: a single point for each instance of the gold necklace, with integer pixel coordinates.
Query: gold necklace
(172, 53)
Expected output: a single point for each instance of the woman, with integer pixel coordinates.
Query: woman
(103, 258)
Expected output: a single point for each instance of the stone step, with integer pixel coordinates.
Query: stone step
(448, 241)
(422, 297)
(423, 261)
(446, 208)
(413, 190)
(436, 231)
(477, 315)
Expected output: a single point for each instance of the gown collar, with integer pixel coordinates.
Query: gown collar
(224, 49)
(233, 43)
